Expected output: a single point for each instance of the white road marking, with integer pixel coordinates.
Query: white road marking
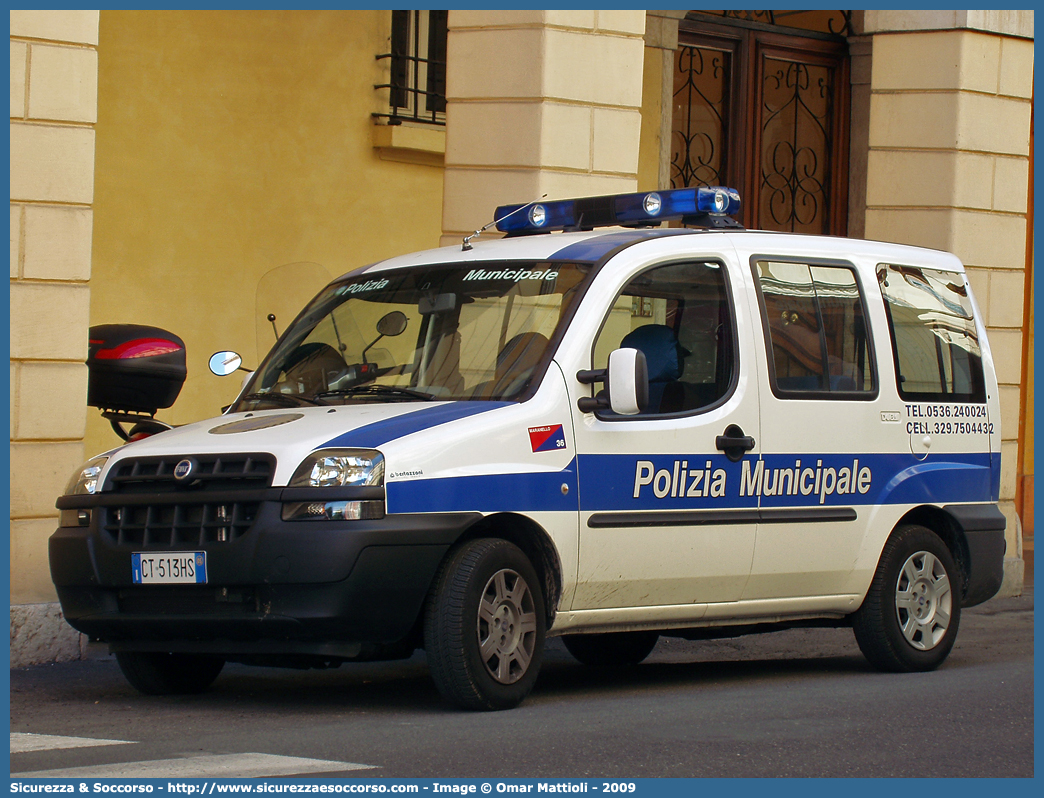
(228, 766)
(22, 741)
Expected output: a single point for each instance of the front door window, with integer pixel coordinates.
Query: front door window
(678, 317)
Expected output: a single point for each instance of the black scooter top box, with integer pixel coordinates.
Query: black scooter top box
(134, 368)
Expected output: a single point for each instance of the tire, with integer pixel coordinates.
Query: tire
(910, 616)
(612, 650)
(159, 673)
(484, 626)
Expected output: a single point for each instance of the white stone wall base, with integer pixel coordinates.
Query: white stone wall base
(1014, 577)
(39, 634)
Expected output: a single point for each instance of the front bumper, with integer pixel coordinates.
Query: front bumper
(337, 589)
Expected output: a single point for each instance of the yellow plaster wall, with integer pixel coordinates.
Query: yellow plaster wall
(652, 122)
(1027, 460)
(1028, 517)
(230, 143)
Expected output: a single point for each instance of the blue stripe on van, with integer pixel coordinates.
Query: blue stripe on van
(379, 432)
(608, 482)
(487, 493)
(596, 248)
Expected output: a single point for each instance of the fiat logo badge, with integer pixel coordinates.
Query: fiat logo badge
(184, 469)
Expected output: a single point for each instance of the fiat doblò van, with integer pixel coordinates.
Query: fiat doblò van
(604, 434)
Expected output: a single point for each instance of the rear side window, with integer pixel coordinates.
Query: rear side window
(936, 347)
(815, 327)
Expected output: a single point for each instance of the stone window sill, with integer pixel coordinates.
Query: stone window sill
(410, 143)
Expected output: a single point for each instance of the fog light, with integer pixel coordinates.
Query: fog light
(333, 511)
(74, 518)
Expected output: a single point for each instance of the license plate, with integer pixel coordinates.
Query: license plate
(169, 568)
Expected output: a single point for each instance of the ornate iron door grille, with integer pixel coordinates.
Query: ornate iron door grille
(766, 112)
(701, 110)
(795, 131)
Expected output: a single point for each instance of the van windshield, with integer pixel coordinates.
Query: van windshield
(480, 331)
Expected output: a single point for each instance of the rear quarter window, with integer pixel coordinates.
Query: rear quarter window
(934, 342)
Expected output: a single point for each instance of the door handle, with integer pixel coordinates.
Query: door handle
(734, 443)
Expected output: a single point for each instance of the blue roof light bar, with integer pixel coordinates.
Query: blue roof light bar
(707, 207)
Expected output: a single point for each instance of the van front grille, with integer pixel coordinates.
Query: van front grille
(209, 472)
(178, 526)
(201, 510)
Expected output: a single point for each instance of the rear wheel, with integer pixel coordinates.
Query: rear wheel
(613, 649)
(484, 626)
(909, 618)
(159, 673)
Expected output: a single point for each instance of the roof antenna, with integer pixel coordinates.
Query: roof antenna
(466, 245)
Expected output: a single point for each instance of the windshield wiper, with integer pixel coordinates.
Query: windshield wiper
(384, 391)
(285, 399)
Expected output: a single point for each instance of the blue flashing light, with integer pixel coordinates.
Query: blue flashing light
(534, 217)
(709, 207)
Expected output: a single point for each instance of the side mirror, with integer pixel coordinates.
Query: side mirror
(626, 380)
(224, 363)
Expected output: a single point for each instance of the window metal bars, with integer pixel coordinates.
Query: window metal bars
(418, 74)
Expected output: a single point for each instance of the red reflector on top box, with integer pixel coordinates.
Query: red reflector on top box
(133, 367)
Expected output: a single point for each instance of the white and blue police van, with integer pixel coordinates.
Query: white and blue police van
(596, 427)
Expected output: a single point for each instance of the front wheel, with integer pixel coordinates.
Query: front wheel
(158, 673)
(484, 626)
(909, 618)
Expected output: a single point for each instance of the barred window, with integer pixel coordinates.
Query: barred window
(417, 79)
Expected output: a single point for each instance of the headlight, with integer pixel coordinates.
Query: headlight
(86, 479)
(332, 468)
(335, 468)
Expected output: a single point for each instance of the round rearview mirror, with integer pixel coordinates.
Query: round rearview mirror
(224, 363)
(392, 324)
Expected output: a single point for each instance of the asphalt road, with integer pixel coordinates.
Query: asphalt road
(794, 703)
